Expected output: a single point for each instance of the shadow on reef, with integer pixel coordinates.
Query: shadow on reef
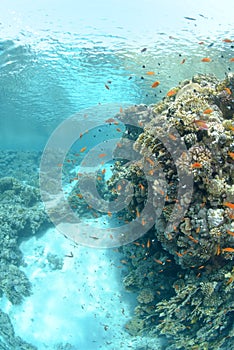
(184, 276)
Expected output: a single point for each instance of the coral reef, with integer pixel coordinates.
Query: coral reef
(182, 269)
(8, 339)
(21, 215)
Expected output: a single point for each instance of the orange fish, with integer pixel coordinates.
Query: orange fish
(229, 205)
(208, 111)
(228, 249)
(172, 137)
(227, 40)
(231, 59)
(196, 165)
(148, 243)
(155, 84)
(101, 155)
(121, 110)
(206, 59)
(110, 120)
(83, 149)
(228, 91)
(231, 154)
(103, 171)
(201, 124)
(183, 60)
(109, 213)
(171, 93)
(158, 261)
(150, 73)
(79, 195)
(231, 233)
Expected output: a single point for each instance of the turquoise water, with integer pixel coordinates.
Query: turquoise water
(58, 59)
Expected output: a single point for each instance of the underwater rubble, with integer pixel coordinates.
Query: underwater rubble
(182, 269)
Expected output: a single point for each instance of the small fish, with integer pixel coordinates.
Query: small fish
(138, 213)
(150, 161)
(93, 237)
(101, 155)
(201, 124)
(79, 195)
(83, 149)
(120, 110)
(60, 164)
(193, 239)
(155, 84)
(172, 137)
(228, 90)
(107, 87)
(148, 243)
(228, 249)
(229, 205)
(210, 45)
(144, 49)
(190, 18)
(201, 42)
(124, 262)
(150, 73)
(227, 41)
(196, 165)
(158, 261)
(171, 93)
(183, 60)
(110, 120)
(206, 59)
(109, 213)
(231, 154)
(103, 171)
(137, 243)
(201, 267)
(231, 233)
(208, 111)
(231, 59)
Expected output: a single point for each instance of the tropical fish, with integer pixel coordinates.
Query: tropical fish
(83, 149)
(110, 120)
(228, 249)
(228, 90)
(227, 41)
(231, 154)
(196, 165)
(208, 111)
(158, 261)
(229, 205)
(183, 60)
(172, 137)
(231, 59)
(150, 73)
(201, 124)
(101, 155)
(206, 59)
(201, 42)
(171, 92)
(148, 243)
(230, 232)
(155, 84)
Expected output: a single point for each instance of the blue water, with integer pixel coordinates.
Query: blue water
(59, 58)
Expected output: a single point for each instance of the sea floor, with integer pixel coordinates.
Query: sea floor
(78, 301)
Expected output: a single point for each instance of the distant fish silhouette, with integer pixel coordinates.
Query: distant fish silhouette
(190, 18)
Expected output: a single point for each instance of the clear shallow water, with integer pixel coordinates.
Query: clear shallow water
(55, 60)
